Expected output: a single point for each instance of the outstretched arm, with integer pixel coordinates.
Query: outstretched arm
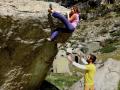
(70, 59)
(83, 67)
(81, 55)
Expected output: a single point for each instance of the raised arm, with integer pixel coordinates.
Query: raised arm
(70, 59)
(83, 67)
(81, 55)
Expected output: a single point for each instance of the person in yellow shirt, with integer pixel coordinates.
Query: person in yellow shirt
(89, 68)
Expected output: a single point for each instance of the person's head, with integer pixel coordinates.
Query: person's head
(74, 9)
(91, 58)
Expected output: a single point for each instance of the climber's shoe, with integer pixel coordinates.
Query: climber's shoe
(48, 39)
(50, 10)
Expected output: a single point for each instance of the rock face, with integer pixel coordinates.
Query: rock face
(24, 53)
(107, 77)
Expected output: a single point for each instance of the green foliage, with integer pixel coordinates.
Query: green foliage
(115, 55)
(119, 85)
(117, 8)
(109, 46)
(110, 41)
(118, 15)
(117, 33)
(108, 49)
(62, 81)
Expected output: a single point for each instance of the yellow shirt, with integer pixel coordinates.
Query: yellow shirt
(89, 74)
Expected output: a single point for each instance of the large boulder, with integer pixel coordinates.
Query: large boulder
(25, 54)
(108, 76)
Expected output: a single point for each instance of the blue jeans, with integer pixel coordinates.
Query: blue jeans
(68, 26)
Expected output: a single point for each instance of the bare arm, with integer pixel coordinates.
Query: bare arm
(72, 18)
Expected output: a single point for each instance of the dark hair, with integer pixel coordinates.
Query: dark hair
(92, 57)
(75, 9)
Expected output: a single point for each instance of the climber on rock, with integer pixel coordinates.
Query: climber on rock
(70, 23)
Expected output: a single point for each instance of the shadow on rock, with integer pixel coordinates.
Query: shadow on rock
(47, 86)
(63, 37)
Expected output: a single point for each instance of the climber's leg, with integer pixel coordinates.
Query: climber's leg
(92, 87)
(56, 32)
(89, 87)
(64, 20)
(86, 87)
(54, 35)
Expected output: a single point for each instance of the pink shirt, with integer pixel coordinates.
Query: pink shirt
(76, 21)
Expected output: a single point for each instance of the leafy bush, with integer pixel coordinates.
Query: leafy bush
(117, 33)
(107, 49)
(62, 81)
(117, 8)
(110, 41)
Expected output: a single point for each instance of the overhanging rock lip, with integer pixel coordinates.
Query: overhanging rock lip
(25, 9)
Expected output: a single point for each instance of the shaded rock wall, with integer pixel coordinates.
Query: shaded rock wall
(25, 55)
(47, 86)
